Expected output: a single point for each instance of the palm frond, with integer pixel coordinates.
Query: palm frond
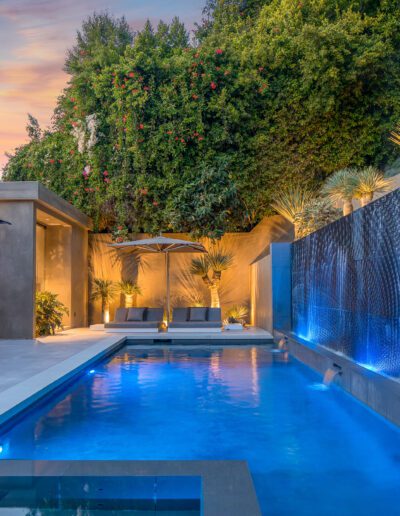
(105, 290)
(290, 203)
(341, 185)
(238, 313)
(200, 266)
(371, 180)
(219, 260)
(129, 288)
(395, 136)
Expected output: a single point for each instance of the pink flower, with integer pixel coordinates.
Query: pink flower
(155, 203)
(105, 173)
(219, 51)
(213, 85)
(51, 161)
(140, 126)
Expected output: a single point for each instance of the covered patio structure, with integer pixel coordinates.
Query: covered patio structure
(44, 247)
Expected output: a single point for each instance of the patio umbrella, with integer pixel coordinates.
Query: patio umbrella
(165, 246)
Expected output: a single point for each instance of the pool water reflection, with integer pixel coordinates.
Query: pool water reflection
(310, 451)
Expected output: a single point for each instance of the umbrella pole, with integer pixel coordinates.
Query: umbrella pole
(167, 277)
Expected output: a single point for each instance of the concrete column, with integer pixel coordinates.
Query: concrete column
(79, 277)
(281, 280)
(18, 270)
(58, 265)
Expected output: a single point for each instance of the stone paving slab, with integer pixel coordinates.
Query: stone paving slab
(31, 368)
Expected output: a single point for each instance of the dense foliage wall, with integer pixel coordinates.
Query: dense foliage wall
(346, 285)
(155, 132)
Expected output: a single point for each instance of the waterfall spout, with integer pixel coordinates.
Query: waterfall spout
(331, 373)
(282, 344)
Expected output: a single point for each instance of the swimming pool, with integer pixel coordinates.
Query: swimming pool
(310, 451)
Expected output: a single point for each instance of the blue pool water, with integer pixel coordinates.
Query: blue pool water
(310, 451)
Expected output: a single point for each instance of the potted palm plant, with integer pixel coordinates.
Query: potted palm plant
(291, 204)
(104, 290)
(210, 267)
(341, 186)
(370, 181)
(129, 289)
(236, 317)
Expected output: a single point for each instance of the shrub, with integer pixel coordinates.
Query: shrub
(49, 313)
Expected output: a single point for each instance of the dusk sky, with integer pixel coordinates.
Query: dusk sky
(34, 37)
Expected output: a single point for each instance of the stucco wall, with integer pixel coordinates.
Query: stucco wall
(149, 271)
(17, 269)
(62, 256)
(261, 293)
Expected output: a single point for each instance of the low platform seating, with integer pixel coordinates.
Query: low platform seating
(202, 319)
(136, 319)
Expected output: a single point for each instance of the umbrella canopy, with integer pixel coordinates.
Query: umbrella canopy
(165, 246)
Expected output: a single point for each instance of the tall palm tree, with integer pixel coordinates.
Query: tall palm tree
(370, 180)
(129, 289)
(105, 290)
(341, 186)
(291, 203)
(216, 261)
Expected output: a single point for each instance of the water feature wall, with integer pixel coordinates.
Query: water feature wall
(346, 286)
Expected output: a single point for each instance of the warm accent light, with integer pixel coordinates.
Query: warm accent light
(106, 316)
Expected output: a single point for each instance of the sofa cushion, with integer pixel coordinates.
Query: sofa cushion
(198, 313)
(135, 314)
(154, 314)
(214, 315)
(180, 314)
(133, 324)
(192, 325)
(120, 314)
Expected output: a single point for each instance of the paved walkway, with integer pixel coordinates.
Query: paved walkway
(30, 368)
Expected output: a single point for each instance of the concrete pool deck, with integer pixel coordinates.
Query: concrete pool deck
(30, 368)
(33, 367)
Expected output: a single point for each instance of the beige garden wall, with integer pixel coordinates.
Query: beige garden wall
(148, 270)
(261, 293)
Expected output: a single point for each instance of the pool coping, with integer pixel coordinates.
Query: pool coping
(227, 486)
(15, 400)
(378, 392)
(18, 398)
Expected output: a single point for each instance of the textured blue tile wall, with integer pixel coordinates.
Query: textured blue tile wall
(346, 286)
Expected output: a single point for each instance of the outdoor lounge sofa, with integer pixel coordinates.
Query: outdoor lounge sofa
(136, 319)
(200, 319)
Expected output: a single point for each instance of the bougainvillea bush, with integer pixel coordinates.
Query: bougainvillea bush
(158, 132)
